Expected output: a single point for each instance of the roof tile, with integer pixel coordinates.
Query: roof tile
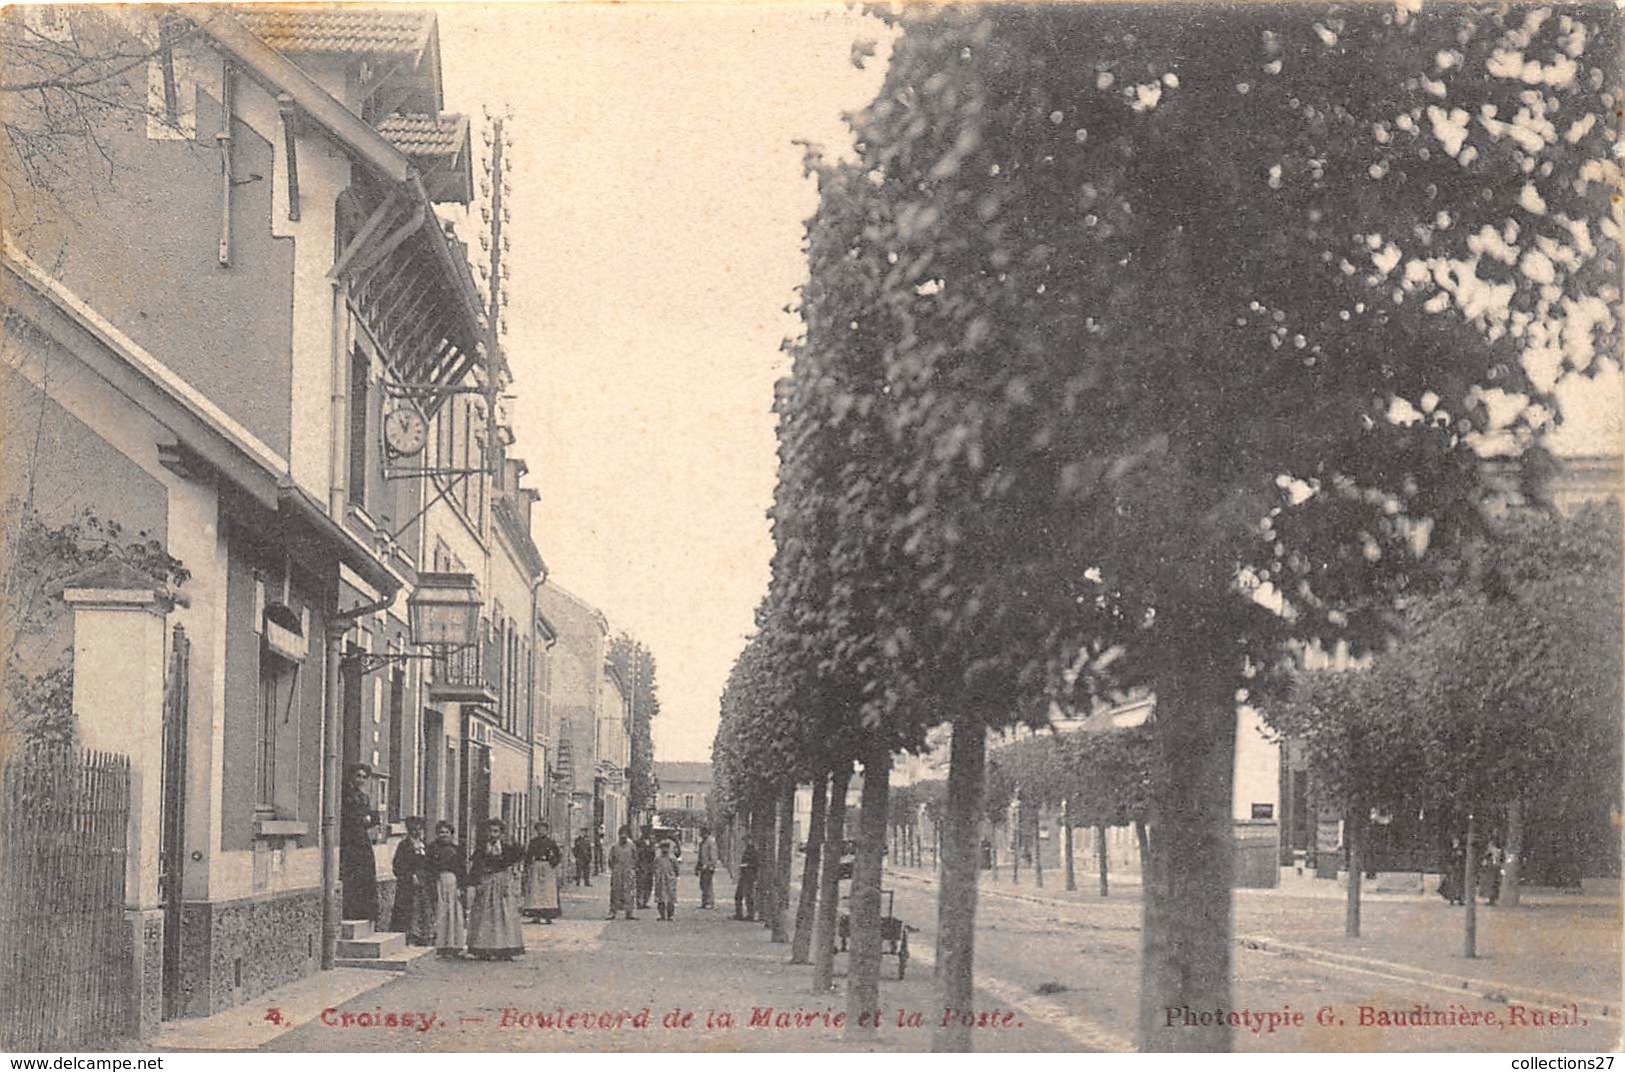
(425, 135)
(350, 29)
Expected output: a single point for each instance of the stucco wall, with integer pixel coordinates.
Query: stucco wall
(117, 240)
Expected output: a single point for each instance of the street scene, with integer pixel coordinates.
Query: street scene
(798, 528)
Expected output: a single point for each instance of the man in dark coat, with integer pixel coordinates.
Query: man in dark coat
(645, 866)
(582, 851)
(357, 869)
(745, 887)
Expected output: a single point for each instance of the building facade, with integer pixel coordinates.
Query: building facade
(290, 383)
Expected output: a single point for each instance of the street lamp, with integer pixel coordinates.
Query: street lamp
(444, 611)
(443, 615)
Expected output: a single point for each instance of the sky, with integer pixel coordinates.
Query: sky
(657, 202)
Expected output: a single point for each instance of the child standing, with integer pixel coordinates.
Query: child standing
(666, 883)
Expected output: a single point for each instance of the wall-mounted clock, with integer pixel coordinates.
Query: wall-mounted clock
(405, 430)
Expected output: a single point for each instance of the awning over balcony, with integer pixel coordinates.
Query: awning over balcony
(416, 296)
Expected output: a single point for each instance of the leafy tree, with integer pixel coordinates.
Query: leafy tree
(1110, 328)
(636, 665)
(1367, 746)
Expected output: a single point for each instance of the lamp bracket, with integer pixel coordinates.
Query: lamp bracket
(365, 662)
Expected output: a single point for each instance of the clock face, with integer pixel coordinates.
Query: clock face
(405, 430)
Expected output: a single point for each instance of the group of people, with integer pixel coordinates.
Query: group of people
(1491, 862)
(457, 901)
(646, 869)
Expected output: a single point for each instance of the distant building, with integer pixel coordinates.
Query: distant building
(683, 792)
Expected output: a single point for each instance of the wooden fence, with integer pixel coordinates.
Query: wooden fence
(64, 951)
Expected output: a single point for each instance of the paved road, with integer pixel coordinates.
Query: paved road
(1085, 956)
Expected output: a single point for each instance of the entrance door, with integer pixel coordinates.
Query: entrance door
(172, 828)
(434, 760)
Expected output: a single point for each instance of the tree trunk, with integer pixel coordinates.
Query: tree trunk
(1100, 859)
(807, 904)
(863, 966)
(784, 856)
(1354, 834)
(1512, 870)
(1185, 960)
(956, 893)
(1066, 826)
(826, 918)
(761, 835)
(1038, 845)
(1144, 842)
(1469, 890)
(1015, 842)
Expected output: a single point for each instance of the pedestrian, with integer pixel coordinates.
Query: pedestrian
(665, 882)
(1451, 885)
(413, 913)
(598, 850)
(1489, 880)
(706, 868)
(448, 864)
(645, 865)
(623, 875)
(542, 858)
(357, 868)
(745, 886)
(493, 917)
(584, 860)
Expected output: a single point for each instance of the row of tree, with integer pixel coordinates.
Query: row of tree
(1500, 696)
(1144, 349)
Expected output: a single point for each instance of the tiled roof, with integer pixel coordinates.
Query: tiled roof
(356, 29)
(425, 135)
(672, 773)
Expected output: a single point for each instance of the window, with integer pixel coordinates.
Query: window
(360, 376)
(266, 758)
(688, 801)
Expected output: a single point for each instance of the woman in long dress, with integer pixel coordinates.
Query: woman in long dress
(445, 861)
(413, 914)
(623, 875)
(357, 869)
(493, 919)
(542, 858)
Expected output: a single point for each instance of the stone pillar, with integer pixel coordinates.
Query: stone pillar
(118, 695)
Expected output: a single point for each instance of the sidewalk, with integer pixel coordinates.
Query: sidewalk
(1550, 951)
(722, 973)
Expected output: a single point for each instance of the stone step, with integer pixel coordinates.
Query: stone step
(355, 928)
(397, 962)
(372, 947)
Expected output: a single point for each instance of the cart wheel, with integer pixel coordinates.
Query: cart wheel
(902, 956)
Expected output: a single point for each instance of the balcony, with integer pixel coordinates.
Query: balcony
(462, 678)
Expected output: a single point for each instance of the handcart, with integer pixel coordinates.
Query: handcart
(893, 932)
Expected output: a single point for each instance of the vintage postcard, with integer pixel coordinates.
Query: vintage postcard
(1051, 527)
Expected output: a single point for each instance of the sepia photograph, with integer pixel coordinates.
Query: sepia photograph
(719, 526)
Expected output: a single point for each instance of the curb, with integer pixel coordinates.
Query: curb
(1489, 989)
